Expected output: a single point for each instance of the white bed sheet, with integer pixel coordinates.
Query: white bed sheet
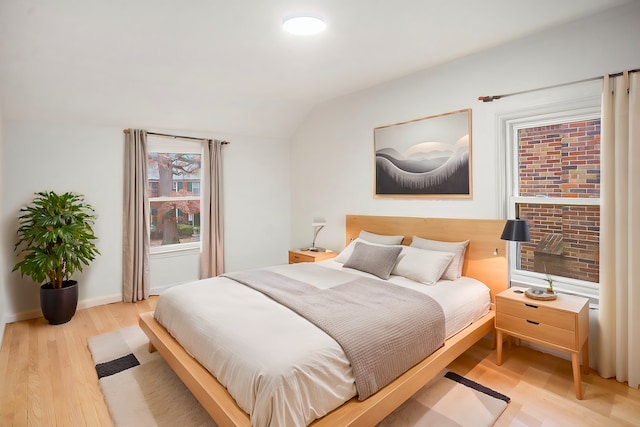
(281, 369)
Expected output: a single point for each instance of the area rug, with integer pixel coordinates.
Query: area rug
(141, 390)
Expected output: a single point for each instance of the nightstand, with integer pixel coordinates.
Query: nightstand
(300, 255)
(562, 324)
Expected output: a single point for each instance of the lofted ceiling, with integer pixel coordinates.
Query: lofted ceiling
(227, 66)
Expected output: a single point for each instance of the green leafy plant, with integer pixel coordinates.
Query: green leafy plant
(185, 230)
(549, 284)
(55, 237)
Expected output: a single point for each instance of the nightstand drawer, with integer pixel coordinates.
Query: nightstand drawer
(529, 328)
(301, 255)
(295, 257)
(530, 310)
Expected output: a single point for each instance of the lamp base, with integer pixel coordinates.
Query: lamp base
(540, 294)
(314, 249)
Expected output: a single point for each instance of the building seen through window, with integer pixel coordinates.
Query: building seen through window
(558, 193)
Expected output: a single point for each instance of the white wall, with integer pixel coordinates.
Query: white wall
(89, 159)
(332, 150)
(3, 266)
(83, 159)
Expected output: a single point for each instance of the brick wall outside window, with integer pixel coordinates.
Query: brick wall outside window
(561, 161)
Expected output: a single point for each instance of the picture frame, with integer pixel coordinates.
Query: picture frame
(426, 157)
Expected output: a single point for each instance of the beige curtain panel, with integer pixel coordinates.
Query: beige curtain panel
(135, 251)
(619, 317)
(211, 233)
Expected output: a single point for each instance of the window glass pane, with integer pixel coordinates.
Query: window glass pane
(174, 176)
(564, 241)
(560, 160)
(170, 173)
(153, 189)
(175, 222)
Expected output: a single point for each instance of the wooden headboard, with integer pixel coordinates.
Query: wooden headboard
(481, 261)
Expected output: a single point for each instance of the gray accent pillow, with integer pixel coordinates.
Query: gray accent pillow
(376, 260)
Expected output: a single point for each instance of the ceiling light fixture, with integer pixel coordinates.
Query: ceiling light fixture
(303, 24)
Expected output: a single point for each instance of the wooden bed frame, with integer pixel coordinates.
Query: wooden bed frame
(485, 259)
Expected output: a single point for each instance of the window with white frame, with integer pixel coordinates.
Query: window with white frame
(554, 169)
(174, 179)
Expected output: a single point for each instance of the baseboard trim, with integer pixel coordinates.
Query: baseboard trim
(87, 303)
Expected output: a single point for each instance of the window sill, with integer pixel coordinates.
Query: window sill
(175, 250)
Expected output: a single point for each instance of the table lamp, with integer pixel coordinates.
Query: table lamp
(317, 227)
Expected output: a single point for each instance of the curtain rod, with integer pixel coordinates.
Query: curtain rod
(179, 136)
(491, 98)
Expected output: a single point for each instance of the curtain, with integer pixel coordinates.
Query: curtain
(135, 252)
(211, 232)
(619, 315)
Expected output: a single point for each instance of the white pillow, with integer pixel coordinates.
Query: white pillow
(422, 265)
(346, 252)
(454, 271)
(380, 238)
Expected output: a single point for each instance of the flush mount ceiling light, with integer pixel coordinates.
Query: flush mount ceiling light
(303, 24)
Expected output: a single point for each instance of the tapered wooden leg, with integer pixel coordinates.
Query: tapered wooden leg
(585, 356)
(498, 347)
(152, 348)
(494, 336)
(575, 362)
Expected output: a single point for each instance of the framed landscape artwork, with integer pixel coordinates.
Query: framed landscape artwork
(427, 157)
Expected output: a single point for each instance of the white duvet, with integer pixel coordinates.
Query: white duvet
(281, 369)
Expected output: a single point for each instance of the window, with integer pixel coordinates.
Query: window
(173, 172)
(554, 164)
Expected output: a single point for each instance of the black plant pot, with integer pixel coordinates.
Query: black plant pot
(59, 305)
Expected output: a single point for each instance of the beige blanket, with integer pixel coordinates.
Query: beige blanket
(383, 329)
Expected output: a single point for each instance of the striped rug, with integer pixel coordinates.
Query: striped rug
(141, 390)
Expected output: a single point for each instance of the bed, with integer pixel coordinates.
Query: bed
(484, 260)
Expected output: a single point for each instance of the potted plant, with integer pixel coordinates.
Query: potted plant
(56, 238)
(549, 284)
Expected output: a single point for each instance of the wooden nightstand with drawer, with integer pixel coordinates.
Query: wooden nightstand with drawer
(301, 255)
(562, 323)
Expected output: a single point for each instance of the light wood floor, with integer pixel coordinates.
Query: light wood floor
(47, 378)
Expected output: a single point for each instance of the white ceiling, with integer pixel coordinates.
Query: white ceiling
(227, 65)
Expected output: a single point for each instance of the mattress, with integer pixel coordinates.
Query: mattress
(281, 369)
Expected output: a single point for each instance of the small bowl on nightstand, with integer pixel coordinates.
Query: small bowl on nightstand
(540, 294)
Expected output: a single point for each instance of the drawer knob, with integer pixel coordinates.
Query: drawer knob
(532, 322)
(531, 305)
